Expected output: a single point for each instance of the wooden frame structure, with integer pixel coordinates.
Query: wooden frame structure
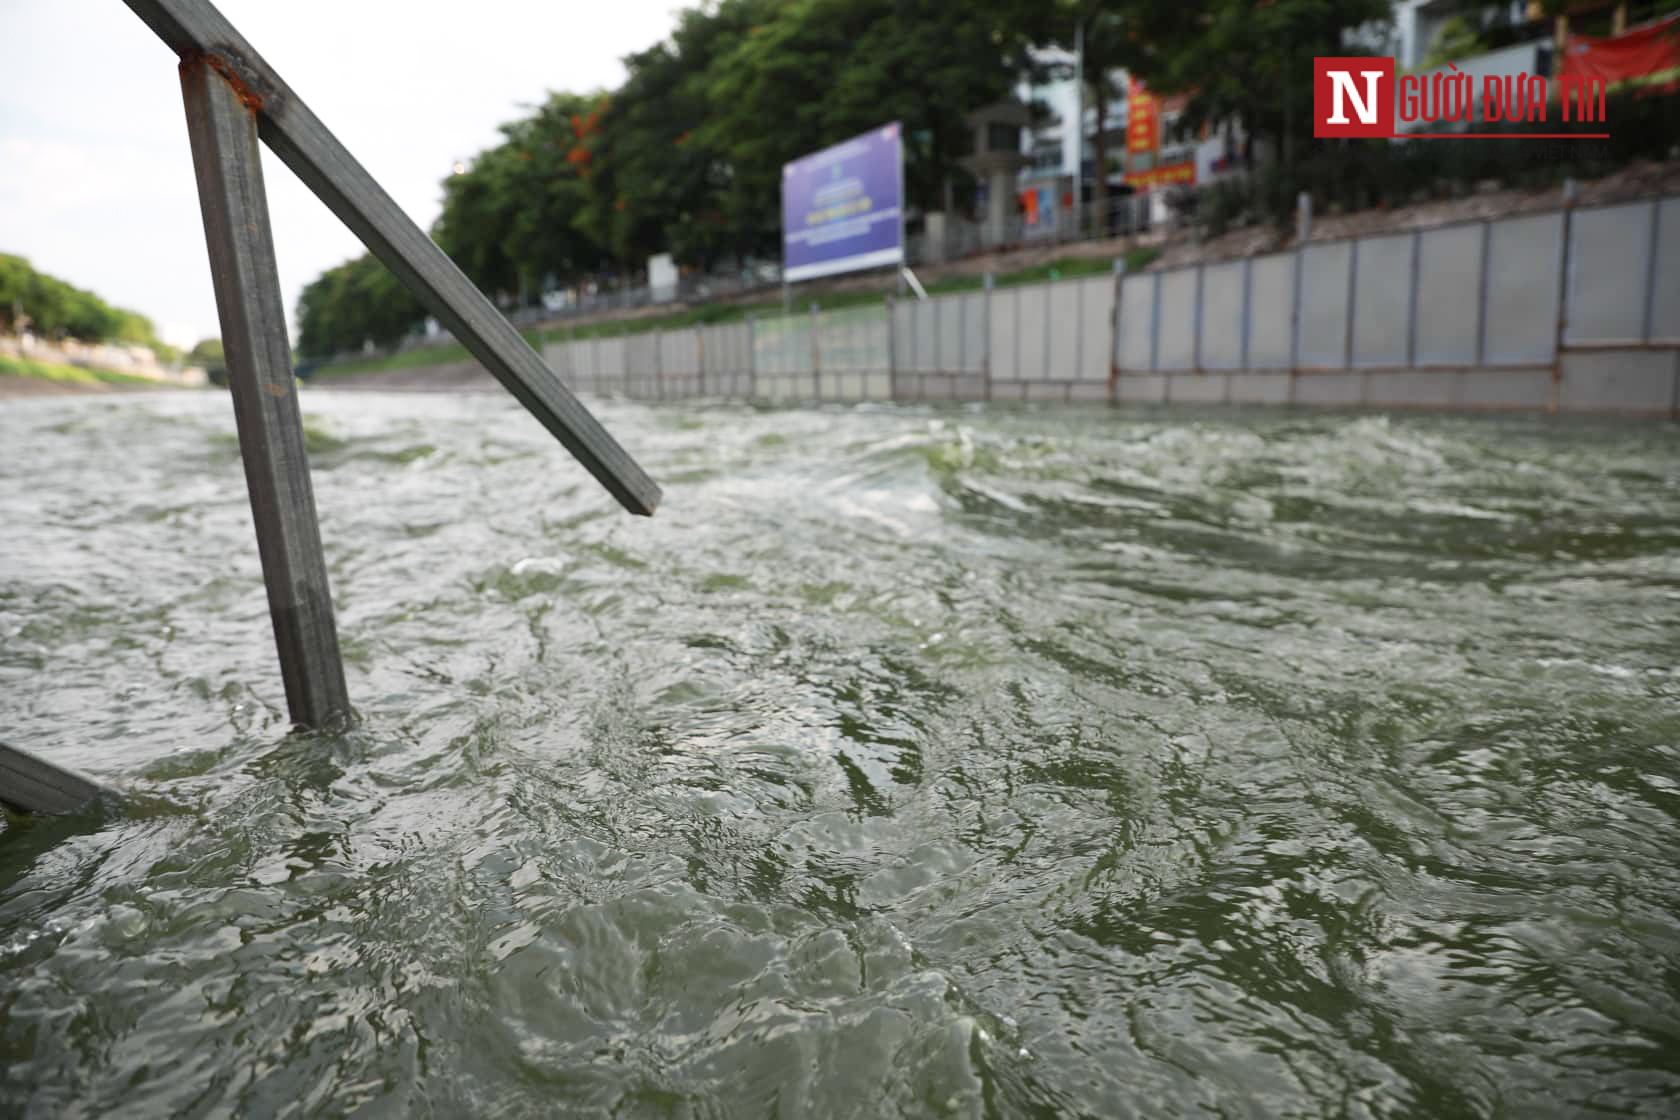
(233, 98)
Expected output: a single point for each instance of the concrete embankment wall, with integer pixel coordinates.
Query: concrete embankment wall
(1573, 310)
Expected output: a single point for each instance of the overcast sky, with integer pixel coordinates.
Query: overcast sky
(96, 183)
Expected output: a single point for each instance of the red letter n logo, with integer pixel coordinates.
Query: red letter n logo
(1353, 97)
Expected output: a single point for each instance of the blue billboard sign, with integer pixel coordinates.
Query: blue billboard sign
(843, 207)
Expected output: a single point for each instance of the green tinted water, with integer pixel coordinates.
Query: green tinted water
(917, 763)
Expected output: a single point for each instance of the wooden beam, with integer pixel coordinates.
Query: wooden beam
(228, 165)
(31, 784)
(195, 28)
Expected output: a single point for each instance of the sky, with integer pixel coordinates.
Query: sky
(96, 180)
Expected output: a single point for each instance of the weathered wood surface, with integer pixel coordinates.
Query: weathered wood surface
(228, 164)
(194, 28)
(31, 784)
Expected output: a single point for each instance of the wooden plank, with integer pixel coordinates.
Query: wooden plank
(195, 27)
(228, 165)
(31, 784)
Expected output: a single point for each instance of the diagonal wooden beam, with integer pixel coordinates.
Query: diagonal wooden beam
(195, 29)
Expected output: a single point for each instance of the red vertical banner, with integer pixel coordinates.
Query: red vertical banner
(1143, 120)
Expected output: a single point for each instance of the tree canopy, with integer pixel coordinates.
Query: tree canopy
(54, 309)
(685, 156)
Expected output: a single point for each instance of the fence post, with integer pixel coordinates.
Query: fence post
(1482, 292)
(1352, 303)
(1247, 324)
(1114, 329)
(752, 356)
(816, 350)
(962, 333)
(1295, 320)
(1651, 268)
(986, 335)
(1562, 304)
(1155, 326)
(938, 315)
(223, 135)
(1196, 322)
(1044, 374)
(658, 365)
(892, 349)
(1412, 300)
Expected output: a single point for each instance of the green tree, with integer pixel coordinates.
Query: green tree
(812, 72)
(513, 219)
(54, 309)
(207, 354)
(356, 303)
(656, 183)
(1249, 61)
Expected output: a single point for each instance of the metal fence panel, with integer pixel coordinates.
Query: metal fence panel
(853, 340)
(611, 357)
(1609, 262)
(1033, 343)
(947, 333)
(1137, 315)
(1222, 313)
(1449, 286)
(1004, 311)
(556, 356)
(903, 318)
(1063, 363)
(1178, 319)
(571, 359)
(1271, 311)
(586, 353)
(1323, 324)
(926, 331)
(679, 353)
(1457, 296)
(782, 344)
(1382, 300)
(973, 332)
(916, 336)
(1096, 327)
(1523, 255)
(641, 360)
(1664, 295)
(723, 355)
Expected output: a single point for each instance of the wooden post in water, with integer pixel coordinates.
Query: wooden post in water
(223, 130)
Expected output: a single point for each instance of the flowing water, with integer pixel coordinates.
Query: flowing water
(909, 762)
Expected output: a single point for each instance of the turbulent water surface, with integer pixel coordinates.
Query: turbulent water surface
(909, 762)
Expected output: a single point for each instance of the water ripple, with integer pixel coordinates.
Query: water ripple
(911, 761)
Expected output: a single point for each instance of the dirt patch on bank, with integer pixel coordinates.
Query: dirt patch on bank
(446, 377)
(24, 388)
(1636, 181)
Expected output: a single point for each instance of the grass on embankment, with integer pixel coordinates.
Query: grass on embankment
(707, 314)
(52, 371)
